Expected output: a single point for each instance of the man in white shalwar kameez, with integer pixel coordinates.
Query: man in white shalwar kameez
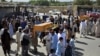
(18, 39)
(90, 25)
(93, 28)
(97, 30)
(87, 27)
(63, 35)
(82, 28)
(48, 42)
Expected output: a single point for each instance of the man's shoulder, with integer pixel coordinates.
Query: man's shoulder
(17, 31)
(72, 40)
(52, 54)
(22, 34)
(1, 31)
(58, 42)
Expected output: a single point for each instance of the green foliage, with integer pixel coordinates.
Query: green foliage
(3, 0)
(52, 1)
(11, 0)
(98, 2)
(82, 2)
(40, 2)
(43, 3)
(59, 4)
(48, 3)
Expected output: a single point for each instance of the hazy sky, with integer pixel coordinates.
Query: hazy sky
(28, 0)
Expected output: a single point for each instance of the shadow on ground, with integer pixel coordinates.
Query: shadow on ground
(76, 48)
(98, 37)
(38, 53)
(27, 55)
(80, 42)
(90, 38)
(77, 53)
(99, 45)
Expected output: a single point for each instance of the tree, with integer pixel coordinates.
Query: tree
(44, 2)
(82, 2)
(52, 0)
(40, 2)
(98, 2)
(11, 0)
(48, 3)
(3, 0)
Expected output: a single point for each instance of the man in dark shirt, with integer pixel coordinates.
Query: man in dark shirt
(5, 40)
(25, 42)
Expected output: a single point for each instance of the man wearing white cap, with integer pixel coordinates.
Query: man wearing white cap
(18, 39)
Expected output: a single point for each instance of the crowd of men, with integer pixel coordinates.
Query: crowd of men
(58, 42)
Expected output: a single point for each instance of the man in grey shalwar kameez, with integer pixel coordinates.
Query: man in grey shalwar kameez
(97, 31)
(11, 29)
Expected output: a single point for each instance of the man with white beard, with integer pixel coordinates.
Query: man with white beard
(18, 39)
(82, 28)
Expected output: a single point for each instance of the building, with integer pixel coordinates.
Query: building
(6, 8)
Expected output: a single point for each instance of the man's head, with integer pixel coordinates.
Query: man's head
(46, 32)
(68, 40)
(61, 39)
(73, 37)
(20, 29)
(29, 24)
(4, 24)
(51, 51)
(52, 31)
(51, 16)
(60, 30)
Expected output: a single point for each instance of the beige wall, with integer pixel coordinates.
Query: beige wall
(44, 9)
